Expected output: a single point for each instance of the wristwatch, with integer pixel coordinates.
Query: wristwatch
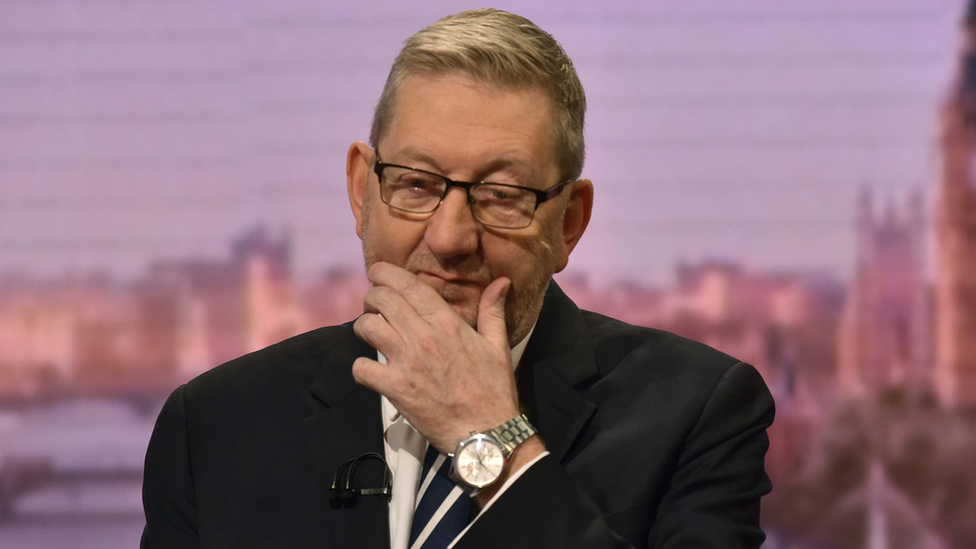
(479, 460)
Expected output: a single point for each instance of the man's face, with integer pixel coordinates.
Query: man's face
(467, 131)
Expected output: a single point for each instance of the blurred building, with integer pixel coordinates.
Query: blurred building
(625, 300)
(884, 333)
(956, 233)
(722, 291)
(67, 334)
(746, 314)
(336, 297)
(798, 413)
(37, 338)
(92, 335)
(197, 313)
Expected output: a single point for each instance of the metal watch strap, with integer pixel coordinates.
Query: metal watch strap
(512, 433)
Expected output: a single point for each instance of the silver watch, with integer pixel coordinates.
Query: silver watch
(479, 460)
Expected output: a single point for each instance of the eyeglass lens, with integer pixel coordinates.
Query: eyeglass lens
(418, 192)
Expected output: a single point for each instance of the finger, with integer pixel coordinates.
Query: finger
(424, 299)
(378, 377)
(395, 309)
(491, 313)
(376, 331)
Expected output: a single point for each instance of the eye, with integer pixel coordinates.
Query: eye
(500, 194)
(407, 181)
(416, 180)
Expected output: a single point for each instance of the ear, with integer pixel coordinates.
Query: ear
(577, 217)
(357, 175)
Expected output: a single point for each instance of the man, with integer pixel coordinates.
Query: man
(631, 437)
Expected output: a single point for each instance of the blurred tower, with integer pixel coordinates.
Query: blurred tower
(270, 311)
(956, 233)
(192, 351)
(884, 334)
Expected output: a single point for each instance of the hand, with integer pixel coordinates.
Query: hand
(444, 377)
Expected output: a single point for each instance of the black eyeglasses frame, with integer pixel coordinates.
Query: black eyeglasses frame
(541, 196)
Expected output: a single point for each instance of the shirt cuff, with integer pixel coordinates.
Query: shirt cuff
(508, 482)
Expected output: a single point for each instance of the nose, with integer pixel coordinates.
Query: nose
(452, 230)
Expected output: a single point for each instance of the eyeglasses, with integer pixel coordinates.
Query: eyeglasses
(492, 204)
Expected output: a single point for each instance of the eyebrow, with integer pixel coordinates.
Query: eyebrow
(414, 154)
(500, 163)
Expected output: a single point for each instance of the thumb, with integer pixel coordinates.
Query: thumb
(491, 313)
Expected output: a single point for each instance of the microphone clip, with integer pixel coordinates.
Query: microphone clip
(345, 486)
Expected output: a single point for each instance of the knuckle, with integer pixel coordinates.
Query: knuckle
(410, 284)
(385, 294)
(359, 367)
(365, 324)
(360, 322)
(374, 296)
(400, 385)
(370, 321)
(426, 341)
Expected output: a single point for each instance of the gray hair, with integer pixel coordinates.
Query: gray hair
(504, 49)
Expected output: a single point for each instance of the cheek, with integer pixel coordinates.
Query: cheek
(524, 260)
(390, 239)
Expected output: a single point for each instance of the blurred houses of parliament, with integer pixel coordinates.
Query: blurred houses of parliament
(893, 334)
(92, 335)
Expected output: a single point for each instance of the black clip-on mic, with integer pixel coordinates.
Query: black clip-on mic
(345, 496)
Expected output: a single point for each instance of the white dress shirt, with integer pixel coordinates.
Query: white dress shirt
(405, 449)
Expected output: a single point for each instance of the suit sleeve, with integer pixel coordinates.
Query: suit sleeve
(168, 489)
(712, 502)
(720, 477)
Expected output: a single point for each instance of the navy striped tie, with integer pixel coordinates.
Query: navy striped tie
(443, 510)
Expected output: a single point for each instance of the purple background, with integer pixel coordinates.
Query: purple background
(138, 130)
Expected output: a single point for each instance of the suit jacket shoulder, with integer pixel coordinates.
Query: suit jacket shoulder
(243, 455)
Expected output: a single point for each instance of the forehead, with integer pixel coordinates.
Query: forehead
(465, 123)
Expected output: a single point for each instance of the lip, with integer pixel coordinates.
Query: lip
(452, 279)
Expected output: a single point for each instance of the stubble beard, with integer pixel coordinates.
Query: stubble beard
(523, 303)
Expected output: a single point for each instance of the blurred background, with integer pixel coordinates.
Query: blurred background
(788, 181)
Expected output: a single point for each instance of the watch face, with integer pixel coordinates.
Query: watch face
(479, 461)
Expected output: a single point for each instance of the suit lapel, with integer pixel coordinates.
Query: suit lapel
(347, 425)
(558, 360)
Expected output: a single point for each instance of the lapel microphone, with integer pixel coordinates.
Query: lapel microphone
(344, 494)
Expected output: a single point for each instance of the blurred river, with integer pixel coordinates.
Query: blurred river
(70, 474)
(73, 534)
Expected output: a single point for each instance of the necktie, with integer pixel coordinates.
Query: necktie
(443, 509)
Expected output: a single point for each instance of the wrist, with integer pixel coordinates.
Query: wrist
(482, 459)
(528, 450)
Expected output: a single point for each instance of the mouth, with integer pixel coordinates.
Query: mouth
(448, 278)
(452, 288)
(461, 293)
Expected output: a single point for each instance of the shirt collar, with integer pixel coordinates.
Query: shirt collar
(391, 415)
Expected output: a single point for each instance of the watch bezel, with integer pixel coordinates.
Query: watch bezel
(456, 475)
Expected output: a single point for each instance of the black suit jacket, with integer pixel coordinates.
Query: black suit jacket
(654, 441)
